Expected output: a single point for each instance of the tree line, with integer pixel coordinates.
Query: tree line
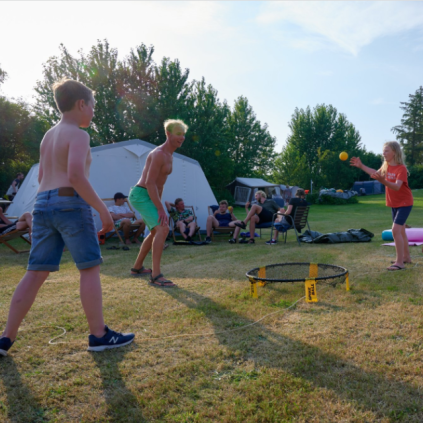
(134, 96)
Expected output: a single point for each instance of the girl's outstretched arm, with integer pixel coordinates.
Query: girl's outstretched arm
(356, 162)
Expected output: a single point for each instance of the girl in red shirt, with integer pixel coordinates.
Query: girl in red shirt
(394, 175)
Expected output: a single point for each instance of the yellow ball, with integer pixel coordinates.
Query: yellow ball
(343, 156)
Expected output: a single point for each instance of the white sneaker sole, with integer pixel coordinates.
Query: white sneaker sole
(108, 347)
(3, 353)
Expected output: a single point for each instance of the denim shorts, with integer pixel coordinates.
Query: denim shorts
(58, 222)
(400, 214)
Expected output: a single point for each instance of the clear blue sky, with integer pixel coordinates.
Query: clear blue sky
(361, 57)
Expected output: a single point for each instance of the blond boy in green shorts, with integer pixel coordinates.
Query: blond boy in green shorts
(146, 198)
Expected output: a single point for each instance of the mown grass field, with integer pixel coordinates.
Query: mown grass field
(352, 357)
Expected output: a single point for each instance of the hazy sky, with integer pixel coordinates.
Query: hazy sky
(361, 57)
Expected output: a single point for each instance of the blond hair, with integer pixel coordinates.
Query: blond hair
(262, 194)
(171, 124)
(67, 92)
(399, 156)
(224, 202)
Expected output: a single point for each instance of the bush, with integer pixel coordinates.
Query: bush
(327, 199)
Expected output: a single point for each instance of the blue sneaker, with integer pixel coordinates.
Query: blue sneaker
(112, 339)
(271, 242)
(5, 344)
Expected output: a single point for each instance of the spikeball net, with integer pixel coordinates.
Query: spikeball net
(310, 274)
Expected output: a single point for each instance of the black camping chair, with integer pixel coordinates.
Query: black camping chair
(298, 222)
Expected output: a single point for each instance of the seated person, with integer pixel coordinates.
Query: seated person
(24, 222)
(122, 215)
(183, 218)
(220, 218)
(282, 224)
(261, 212)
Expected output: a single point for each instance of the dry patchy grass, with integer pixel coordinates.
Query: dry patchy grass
(353, 357)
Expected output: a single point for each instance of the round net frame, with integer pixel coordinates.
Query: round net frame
(327, 274)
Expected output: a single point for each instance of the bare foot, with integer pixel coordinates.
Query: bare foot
(128, 242)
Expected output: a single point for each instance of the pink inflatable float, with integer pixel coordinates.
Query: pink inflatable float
(414, 235)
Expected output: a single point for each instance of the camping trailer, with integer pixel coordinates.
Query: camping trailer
(117, 167)
(244, 189)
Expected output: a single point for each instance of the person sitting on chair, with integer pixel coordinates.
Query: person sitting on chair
(220, 218)
(122, 215)
(282, 224)
(262, 212)
(183, 218)
(24, 222)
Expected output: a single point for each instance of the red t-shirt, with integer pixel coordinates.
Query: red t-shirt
(403, 197)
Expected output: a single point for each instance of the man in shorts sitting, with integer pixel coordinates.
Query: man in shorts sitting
(221, 218)
(122, 215)
(183, 218)
(283, 223)
(261, 212)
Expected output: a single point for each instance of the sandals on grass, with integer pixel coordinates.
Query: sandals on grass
(140, 272)
(163, 284)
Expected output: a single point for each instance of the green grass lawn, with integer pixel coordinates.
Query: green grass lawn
(352, 357)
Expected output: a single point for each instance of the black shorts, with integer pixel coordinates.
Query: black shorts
(265, 216)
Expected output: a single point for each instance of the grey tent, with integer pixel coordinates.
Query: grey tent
(244, 189)
(369, 187)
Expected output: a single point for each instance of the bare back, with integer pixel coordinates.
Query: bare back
(54, 155)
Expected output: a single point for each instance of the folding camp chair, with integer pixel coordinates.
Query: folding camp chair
(116, 230)
(176, 230)
(221, 230)
(298, 222)
(6, 238)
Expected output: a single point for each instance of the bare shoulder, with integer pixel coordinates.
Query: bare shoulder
(157, 155)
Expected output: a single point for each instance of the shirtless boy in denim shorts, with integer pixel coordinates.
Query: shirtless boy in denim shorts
(62, 216)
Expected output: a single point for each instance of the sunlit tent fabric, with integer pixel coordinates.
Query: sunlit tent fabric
(243, 189)
(370, 187)
(117, 167)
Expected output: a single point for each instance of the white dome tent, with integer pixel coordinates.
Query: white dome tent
(117, 167)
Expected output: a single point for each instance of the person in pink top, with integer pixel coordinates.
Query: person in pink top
(394, 175)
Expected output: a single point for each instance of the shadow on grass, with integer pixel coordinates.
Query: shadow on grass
(21, 405)
(369, 390)
(122, 404)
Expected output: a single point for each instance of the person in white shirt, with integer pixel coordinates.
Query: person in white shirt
(124, 218)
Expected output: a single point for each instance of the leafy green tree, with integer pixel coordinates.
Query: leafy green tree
(20, 135)
(250, 145)
(313, 146)
(410, 132)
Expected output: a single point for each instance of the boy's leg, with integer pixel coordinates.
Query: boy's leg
(144, 250)
(91, 299)
(4, 218)
(125, 225)
(159, 240)
(22, 300)
(253, 223)
(255, 209)
(140, 230)
(192, 225)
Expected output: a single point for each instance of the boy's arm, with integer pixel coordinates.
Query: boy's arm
(151, 185)
(77, 156)
(356, 162)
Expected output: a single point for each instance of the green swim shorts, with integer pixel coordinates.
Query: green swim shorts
(139, 198)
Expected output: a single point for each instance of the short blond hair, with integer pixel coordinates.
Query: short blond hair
(67, 92)
(262, 194)
(170, 124)
(224, 202)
